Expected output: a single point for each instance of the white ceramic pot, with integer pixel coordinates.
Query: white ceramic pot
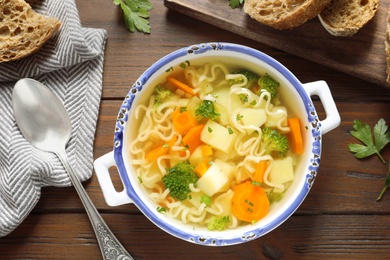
(298, 99)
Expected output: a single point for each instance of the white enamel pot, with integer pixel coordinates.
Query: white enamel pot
(296, 95)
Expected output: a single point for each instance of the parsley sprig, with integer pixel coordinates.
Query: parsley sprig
(235, 3)
(136, 14)
(371, 144)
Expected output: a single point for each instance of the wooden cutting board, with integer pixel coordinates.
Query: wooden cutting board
(362, 55)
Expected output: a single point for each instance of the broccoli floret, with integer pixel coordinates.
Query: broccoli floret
(267, 83)
(178, 179)
(251, 77)
(273, 141)
(218, 223)
(206, 109)
(161, 93)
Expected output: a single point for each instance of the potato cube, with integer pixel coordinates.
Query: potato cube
(196, 157)
(192, 104)
(213, 180)
(224, 118)
(252, 117)
(218, 136)
(282, 170)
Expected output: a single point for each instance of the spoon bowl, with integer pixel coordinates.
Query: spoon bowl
(45, 124)
(40, 115)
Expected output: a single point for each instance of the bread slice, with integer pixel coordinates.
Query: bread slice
(284, 14)
(346, 17)
(387, 46)
(22, 30)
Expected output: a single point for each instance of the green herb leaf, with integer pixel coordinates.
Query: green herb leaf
(136, 14)
(161, 209)
(371, 145)
(206, 200)
(387, 185)
(235, 3)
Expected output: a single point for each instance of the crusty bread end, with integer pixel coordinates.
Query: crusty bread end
(22, 30)
(284, 14)
(346, 17)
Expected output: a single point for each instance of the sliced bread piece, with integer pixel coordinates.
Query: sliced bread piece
(284, 14)
(22, 30)
(346, 17)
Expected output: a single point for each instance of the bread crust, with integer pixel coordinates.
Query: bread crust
(22, 30)
(284, 14)
(345, 17)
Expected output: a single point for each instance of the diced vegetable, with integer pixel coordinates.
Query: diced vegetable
(182, 121)
(206, 88)
(226, 202)
(295, 136)
(250, 202)
(192, 139)
(223, 98)
(180, 85)
(182, 102)
(202, 167)
(224, 116)
(261, 167)
(196, 156)
(282, 170)
(160, 150)
(206, 150)
(213, 180)
(192, 105)
(227, 168)
(252, 117)
(218, 136)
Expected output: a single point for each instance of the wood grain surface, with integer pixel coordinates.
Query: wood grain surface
(362, 55)
(339, 219)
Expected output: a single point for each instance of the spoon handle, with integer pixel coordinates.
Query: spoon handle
(109, 245)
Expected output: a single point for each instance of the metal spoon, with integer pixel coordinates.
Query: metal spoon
(44, 123)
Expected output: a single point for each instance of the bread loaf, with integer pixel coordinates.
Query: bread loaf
(346, 17)
(22, 30)
(284, 14)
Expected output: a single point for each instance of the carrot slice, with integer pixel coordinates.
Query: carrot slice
(202, 167)
(261, 167)
(183, 121)
(206, 150)
(249, 203)
(295, 136)
(192, 139)
(180, 85)
(160, 150)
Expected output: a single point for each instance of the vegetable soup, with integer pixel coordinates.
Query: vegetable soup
(216, 145)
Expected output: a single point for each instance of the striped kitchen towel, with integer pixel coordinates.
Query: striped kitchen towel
(71, 65)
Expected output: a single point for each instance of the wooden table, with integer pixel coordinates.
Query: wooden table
(339, 219)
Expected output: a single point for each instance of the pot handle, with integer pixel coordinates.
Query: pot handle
(112, 197)
(321, 89)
